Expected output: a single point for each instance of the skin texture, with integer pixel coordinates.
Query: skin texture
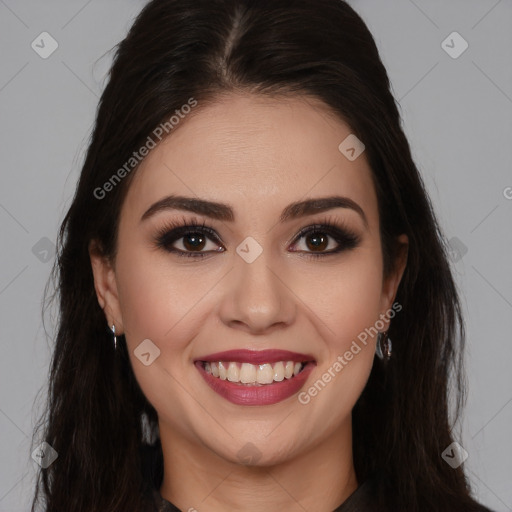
(258, 154)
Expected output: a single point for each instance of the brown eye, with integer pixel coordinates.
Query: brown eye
(189, 240)
(317, 241)
(194, 241)
(324, 240)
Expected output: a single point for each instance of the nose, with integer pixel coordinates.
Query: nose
(257, 299)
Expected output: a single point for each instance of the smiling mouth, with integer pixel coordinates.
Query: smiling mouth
(253, 374)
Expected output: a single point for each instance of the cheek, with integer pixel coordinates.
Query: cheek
(345, 296)
(154, 294)
(157, 303)
(349, 306)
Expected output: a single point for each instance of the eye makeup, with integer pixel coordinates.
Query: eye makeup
(194, 231)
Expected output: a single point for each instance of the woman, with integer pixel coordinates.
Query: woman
(249, 230)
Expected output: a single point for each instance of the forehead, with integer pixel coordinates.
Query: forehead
(257, 153)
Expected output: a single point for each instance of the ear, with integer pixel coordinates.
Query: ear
(106, 287)
(391, 282)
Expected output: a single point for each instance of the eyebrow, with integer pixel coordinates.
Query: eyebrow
(224, 212)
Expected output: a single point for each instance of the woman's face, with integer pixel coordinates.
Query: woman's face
(254, 284)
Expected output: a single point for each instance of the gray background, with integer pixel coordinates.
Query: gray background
(457, 114)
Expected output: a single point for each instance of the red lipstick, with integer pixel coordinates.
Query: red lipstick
(257, 356)
(256, 394)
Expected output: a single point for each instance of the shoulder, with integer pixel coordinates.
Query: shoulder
(367, 498)
(363, 499)
(162, 505)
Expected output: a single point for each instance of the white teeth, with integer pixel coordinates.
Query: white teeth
(247, 373)
(279, 371)
(265, 374)
(223, 373)
(288, 370)
(233, 372)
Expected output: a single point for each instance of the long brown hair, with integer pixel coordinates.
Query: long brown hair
(178, 49)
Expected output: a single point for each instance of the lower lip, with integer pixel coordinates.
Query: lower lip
(267, 394)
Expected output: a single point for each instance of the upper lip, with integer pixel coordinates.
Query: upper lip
(257, 356)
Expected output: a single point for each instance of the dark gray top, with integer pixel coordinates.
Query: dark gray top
(360, 500)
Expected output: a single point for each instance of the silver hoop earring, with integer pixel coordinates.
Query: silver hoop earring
(115, 338)
(384, 347)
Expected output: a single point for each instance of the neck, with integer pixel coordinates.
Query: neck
(197, 479)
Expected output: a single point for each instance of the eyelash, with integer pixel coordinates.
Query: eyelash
(176, 229)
